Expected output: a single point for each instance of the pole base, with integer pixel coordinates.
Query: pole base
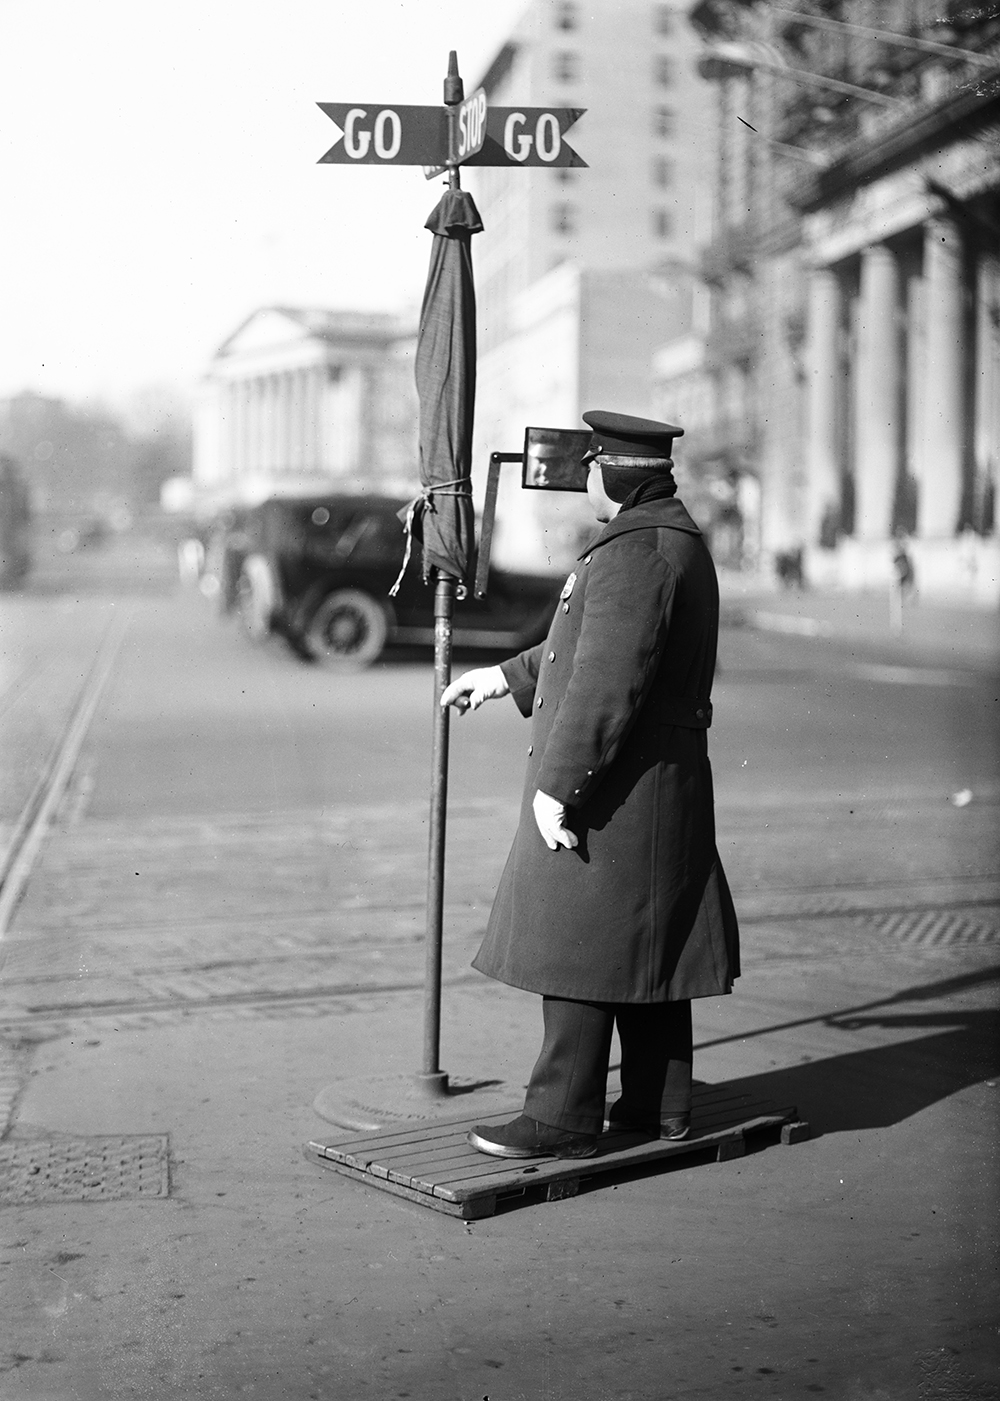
(369, 1103)
(432, 1083)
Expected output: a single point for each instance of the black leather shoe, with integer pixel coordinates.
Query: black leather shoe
(527, 1138)
(670, 1126)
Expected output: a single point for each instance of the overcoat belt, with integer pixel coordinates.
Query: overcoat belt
(619, 700)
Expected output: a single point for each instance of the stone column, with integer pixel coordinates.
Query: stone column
(942, 389)
(915, 324)
(299, 411)
(293, 425)
(248, 426)
(987, 382)
(239, 428)
(226, 429)
(824, 400)
(281, 417)
(255, 456)
(876, 394)
(317, 453)
(270, 422)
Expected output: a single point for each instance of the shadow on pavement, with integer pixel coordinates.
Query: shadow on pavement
(883, 1085)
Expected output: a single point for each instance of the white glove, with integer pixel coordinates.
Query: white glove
(474, 687)
(550, 818)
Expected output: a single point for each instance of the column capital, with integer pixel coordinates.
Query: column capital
(878, 253)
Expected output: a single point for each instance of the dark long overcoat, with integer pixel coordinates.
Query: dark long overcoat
(619, 697)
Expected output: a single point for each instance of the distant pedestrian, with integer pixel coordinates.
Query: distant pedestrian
(790, 569)
(903, 565)
(613, 904)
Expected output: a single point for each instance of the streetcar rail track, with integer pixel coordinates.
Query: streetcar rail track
(63, 1011)
(28, 835)
(916, 919)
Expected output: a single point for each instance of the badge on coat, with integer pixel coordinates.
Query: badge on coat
(567, 588)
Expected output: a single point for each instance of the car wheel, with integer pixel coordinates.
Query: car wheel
(256, 597)
(348, 626)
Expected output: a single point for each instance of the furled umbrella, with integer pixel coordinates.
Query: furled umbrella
(442, 517)
(442, 521)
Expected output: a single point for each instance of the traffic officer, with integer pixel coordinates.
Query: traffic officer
(613, 904)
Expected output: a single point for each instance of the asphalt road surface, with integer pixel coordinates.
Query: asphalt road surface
(227, 915)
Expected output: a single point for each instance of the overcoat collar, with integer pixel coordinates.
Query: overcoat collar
(650, 514)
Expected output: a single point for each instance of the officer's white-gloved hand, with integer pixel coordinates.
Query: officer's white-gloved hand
(550, 818)
(474, 687)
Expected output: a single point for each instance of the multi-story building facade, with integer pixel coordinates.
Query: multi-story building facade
(851, 370)
(582, 273)
(301, 400)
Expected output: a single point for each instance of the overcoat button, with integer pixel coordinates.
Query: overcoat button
(552, 656)
(565, 607)
(540, 701)
(531, 750)
(588, 559)
(700, 714)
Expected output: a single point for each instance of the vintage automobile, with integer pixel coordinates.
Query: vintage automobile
(318, 571)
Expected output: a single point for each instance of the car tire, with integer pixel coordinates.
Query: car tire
(256, 597)
(348, 628)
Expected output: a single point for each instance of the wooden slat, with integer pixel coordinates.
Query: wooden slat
(544, 1170)
(706, 1097)
(471, 1211)
(421, 1133)
(434, 1164)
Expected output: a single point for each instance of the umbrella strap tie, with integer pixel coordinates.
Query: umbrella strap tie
(417, 507)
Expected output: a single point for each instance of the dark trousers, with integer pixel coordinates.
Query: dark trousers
(568, 1085)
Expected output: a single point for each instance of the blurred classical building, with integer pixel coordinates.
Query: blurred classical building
(580, 272)
(849, 380)
(306, 399)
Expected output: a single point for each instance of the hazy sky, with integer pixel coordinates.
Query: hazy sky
(159, 179)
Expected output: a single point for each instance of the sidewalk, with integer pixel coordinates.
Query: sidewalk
(945, 634)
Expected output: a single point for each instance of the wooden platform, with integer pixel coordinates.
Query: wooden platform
(435, 1166)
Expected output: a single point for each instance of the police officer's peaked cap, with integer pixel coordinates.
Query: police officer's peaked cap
(625, 436)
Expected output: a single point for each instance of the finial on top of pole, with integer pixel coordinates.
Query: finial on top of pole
(454, 93)
(454, 88)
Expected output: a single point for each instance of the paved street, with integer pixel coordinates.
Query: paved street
(228, 916)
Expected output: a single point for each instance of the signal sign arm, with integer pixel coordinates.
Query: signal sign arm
(373, 133)
(377, 134)
(529, 136)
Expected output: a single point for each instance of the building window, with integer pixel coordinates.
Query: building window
(663, 19)
(663, 72)
(662, 223)
(566, 15)
(565, 67)
(563, 219)
(663, 173)
(663, 121)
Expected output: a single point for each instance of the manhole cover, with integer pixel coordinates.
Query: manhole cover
(106, 1169)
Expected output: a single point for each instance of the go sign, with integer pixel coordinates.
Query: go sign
(374, 133)
(470, 133)
(523, 136)
(528, 136)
